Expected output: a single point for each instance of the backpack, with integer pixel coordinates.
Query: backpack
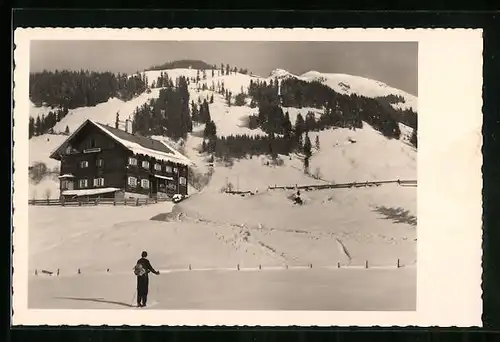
(139, 269)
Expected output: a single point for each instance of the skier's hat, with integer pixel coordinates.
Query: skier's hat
(144, 254)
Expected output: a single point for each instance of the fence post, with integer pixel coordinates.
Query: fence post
(79, 203)
(399, 265)
(125, 201)
(79, 272)
(36, 272)
(58, 272)
(136, 202)
(338, 264)
(114, 201)
(48, 201)
(366, 264)
(260, 266)
(238, 267)
(63, 201)
(190, 267)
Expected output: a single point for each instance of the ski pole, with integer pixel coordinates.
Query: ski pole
(133, 298)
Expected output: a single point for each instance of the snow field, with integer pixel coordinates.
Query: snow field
(309, 289)
(221, 230)
(319, 231)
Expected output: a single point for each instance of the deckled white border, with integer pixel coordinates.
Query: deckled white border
(449, 176)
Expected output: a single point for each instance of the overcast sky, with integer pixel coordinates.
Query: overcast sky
(393, 63)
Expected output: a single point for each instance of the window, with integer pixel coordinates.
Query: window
(158, 167)
(91, 143)
(145, 164)
(83, 183)
(68, 150)
(99, 181)
(100, 162)
(145, 183)
(175, 170)
(168, 169)
(84, 164)
(132, 161)
(182, 181)
(64, 185)
(132, 181)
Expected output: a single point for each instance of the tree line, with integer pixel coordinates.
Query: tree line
(73, 89)
(45, 123)
(65, 90)
(339, 110)
(221, 70)
(169, 114)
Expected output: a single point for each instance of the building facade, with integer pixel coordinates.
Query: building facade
(107, 162)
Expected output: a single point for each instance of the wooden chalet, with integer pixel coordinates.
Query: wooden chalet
(98, 160)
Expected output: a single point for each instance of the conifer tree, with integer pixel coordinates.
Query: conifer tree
(307, 146)
(31, 131)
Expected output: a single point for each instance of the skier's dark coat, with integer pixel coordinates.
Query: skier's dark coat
(143, 281)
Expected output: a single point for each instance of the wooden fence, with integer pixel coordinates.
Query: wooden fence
(343, 185)
(100, 201)
(365, 265)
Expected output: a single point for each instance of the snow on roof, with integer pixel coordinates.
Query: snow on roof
(154, 148)
(87, 192)
(136, 144)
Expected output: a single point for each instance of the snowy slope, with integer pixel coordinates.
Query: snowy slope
(371, 157)
(362, 155)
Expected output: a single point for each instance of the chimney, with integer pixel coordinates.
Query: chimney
(128, 126)
(117, 121)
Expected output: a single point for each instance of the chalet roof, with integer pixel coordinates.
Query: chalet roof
(134, 143)
(138, 139)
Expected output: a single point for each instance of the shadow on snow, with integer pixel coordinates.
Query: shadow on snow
(97, 300)
(397, 215)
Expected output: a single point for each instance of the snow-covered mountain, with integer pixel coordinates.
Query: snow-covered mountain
(371, 157)
(349, 84)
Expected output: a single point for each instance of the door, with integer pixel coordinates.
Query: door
(154, 186)
(70, 185)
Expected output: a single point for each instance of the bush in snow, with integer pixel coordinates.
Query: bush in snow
(38, 171)
(199, 180)
(239, 100)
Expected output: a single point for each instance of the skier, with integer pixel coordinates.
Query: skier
(141, 270)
